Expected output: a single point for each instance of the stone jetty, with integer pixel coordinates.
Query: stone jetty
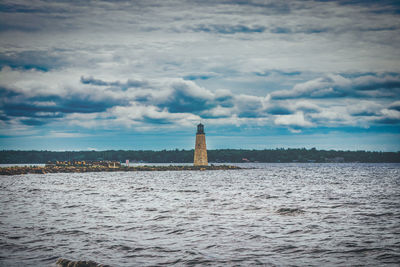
(80, 169)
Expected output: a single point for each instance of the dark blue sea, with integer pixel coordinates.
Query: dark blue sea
(271, 214)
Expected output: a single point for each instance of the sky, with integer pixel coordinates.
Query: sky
(133, 75)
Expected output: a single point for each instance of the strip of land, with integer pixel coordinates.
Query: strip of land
(78, 169)
(186, 156)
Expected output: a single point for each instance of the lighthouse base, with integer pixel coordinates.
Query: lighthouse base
(200, 151)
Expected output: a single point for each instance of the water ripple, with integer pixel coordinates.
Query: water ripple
(275, 214)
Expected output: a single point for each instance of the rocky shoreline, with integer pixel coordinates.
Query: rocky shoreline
(78, 169)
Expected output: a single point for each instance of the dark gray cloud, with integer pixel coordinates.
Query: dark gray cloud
(33, 122)
(43, 109)
(365, 113)
(122, 85)
(267, 7)
(375, 6)
(40, 60)
(229, 29)
(225, 100)
(280, 72)
(193, 77)
(387, 120)
(395, 106)
(280, 30)
(278, 110)
(303, 30)
(335, 31)
(186, 98)
(152, 120)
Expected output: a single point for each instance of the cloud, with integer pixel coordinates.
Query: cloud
(55, 134)
(279, 72)
(268, 8)
(57, 107)
(306, 106)
(40, 60)
(33, 122)
(138, 65)
(389, 116)
(278, 110)
(395, 105)
(224, 98)
(337, 86)
(41, 97)
(185, 96)
(35, 98)
(124, 86)
(201, 76)
(217, 112)
(363, 108)
(294, 120)
(229, 29)
(158, 102)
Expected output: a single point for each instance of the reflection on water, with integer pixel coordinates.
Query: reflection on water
(276, 214)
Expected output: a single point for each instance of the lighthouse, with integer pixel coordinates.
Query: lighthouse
(200, 150)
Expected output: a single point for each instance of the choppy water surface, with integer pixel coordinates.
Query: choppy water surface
(278, 214)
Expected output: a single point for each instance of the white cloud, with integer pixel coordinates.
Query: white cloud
(391, 114)
(55, 134)
(293, 120)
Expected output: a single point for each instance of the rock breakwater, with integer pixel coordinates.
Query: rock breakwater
(76, 169)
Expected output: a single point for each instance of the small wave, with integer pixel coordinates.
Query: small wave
(160, 218)
(33, 241)
(389, 258)
(198, 261)
(266, 196)
(34, 190)
(171, 262)
(165, 211)
(150, 209)
(318, 251)
(69, 232)
(15, 237)
(252, 208)
(363, 250)
(64, 263)
(376, 214)
(177, 231)
(72, 206)
(142, 189)
(51, 258)
(165, 250)
(210, 246)
(256, 237)
(283, 249)
(188, 191)
(127, 249)
(120, 247)
(289, 211)
(294, 231)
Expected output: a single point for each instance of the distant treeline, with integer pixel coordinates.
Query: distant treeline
(184, 156)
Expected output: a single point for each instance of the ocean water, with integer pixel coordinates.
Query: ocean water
(274, 214)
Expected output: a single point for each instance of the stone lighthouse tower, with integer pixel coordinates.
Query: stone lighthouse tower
(200, 150)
